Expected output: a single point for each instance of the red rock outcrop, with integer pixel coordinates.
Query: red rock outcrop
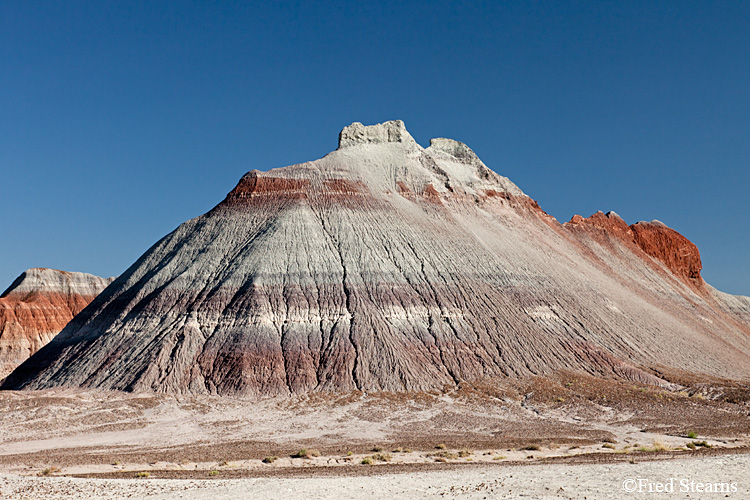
(609, 222)
(36, 307)
(658, 241)
(388, 266)
(678, 253)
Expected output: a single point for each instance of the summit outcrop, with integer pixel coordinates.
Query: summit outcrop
(389, 266)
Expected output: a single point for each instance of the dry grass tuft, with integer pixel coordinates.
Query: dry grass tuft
(49, 470)
(305, 453)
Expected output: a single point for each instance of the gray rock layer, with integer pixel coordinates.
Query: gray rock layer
(386, 266)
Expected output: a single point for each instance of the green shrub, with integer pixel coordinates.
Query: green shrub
(269, 460)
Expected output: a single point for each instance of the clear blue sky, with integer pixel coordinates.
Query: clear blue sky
(120, 120)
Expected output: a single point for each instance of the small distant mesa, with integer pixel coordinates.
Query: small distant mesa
(37, 306)
(388, 266)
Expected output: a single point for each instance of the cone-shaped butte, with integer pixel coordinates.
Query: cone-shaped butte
(389, 266)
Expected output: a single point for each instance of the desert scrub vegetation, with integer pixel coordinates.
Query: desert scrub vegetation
(49, 470)
(609, 446)
(656, 446)
(367, 461)
(532, 447)
(270, 460)
(213, 473)
(305, 453)
(441, 446)
(499, 457)
(143, 474)
(377, 449)
(443, 456)
(465, 453)
(382, 457)
(692, 434)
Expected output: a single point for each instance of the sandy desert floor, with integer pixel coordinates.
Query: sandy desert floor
(568, 437)
(725, 476)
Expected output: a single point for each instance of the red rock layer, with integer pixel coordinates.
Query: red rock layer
(259, 189)
(255, 189)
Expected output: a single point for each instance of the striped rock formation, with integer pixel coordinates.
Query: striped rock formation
(37, 306)
(389, 266)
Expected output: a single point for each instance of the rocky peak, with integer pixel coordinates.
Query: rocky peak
(456, 149)
(391, 131)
